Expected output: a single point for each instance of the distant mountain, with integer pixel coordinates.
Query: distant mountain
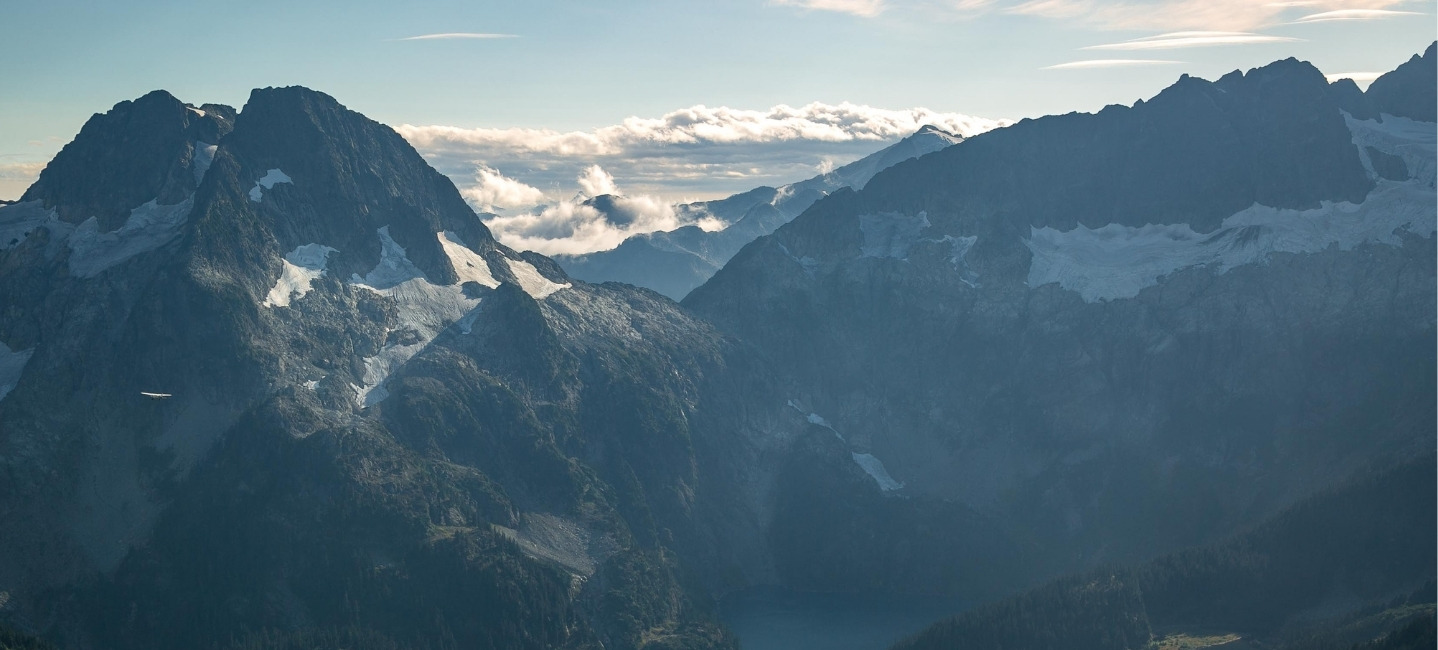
(1121, 332)
(676, 261)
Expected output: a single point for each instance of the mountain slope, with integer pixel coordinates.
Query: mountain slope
(1368, 541)
(675, 262)
(1129, 331)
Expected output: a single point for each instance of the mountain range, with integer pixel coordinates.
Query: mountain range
(1205, 321)
(674, 262)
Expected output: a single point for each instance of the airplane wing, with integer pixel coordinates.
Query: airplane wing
(156, 395)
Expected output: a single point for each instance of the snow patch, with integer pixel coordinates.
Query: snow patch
(891, 234)
(423, 308)
(468, 265)
(148, 227)
(312, 384)
(958, 256)
(201, 160)
(301, 267)
(875, 469)
(531, 281)
(196, 111)
(267, 181)
(11, 365)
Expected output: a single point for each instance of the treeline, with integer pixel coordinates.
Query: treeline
(1363, 542)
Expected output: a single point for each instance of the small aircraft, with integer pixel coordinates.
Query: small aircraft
(156, 395)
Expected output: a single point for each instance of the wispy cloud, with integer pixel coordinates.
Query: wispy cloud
(1108, 63)
(1178, 40)
(456, 36)
(1354, 14)
(864, 8)
(1153, 15)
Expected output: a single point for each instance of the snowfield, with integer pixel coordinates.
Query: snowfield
(1115, 261)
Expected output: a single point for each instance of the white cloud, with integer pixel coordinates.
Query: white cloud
(494, 191)
(864, 8)
(457, 36)
(689, 154)
(594, 181)
(1177, 40)
(1108, 63)
(1354, 14)
(578, 226)
(698, 151)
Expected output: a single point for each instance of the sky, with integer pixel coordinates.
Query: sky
(544, 102)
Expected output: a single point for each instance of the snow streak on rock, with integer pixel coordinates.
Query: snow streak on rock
(11, 365)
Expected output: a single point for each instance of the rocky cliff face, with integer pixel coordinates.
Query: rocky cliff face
(1130, 330)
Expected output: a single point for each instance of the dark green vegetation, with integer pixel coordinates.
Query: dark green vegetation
(11, 639)
(1364, 542)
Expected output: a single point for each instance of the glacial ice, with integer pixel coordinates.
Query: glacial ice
(423, 307)
(18, 220)
(1115, 261)
(12, 363)
(148, 227)
(267, 181)
(301, 266)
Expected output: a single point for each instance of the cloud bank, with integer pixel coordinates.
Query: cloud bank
(537, 180)
(598, 218)
(693, 153)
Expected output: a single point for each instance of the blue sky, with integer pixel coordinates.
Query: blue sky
(581, 66)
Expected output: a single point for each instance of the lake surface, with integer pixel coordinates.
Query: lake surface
(770, 618)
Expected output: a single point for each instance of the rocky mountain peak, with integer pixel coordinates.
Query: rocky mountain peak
(1408, 90)
(311, 171)
(154, 148)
